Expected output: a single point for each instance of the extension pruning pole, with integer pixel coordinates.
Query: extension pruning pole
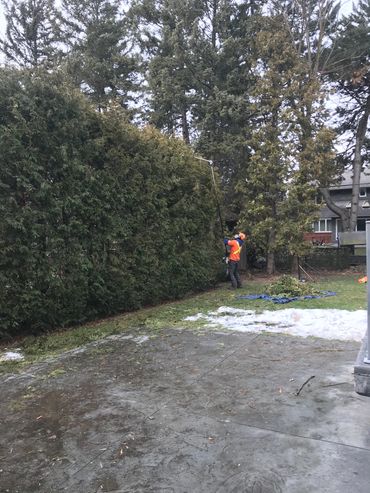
(215, 190)
(367, 354)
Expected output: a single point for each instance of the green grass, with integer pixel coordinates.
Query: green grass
(350, 296)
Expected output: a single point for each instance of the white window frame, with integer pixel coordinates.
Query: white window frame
(362, 194)
(326, 230)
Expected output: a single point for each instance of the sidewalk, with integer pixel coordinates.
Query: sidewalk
(188, 412)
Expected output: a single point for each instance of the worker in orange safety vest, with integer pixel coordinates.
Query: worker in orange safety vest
(234, 258)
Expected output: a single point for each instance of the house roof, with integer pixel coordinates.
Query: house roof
(346, 180)
(363, 212)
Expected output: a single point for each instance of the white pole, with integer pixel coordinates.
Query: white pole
(367, 354)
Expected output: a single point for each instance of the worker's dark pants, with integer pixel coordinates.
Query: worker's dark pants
(234, 274)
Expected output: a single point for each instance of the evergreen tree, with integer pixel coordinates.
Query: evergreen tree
(32, 33)
(164, 30)
(339, 52)
(224, 113)
(94, 213)
(101, 59)
(278, 185)
(199, 57)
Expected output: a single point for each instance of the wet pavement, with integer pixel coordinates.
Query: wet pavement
(188, 412)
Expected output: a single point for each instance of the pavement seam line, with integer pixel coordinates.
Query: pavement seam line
(293, 435)
(207, 372)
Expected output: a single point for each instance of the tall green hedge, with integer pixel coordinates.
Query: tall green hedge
(96, 216)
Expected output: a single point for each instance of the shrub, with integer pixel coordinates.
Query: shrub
(97, 217)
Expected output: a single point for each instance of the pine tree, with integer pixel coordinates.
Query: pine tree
(164, 30)
(224, 114)
(101, 60)
(32, 33)
(199, 57)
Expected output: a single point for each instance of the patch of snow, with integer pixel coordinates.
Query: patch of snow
(342, 325)
(115, 337)
(120, 337)
(140, 339)
(11, 356)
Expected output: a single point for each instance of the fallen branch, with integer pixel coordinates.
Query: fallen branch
(305, 383)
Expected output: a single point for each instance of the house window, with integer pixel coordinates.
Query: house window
(361, 225)
(365, 204)
(323, 226)
(362, 192)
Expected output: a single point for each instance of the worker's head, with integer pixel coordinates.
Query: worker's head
(241, 236)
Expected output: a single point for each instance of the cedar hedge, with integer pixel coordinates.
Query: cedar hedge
(97, 217)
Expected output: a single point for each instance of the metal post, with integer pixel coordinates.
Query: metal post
(367, 354)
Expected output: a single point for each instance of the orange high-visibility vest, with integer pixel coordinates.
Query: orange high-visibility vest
(235, 250)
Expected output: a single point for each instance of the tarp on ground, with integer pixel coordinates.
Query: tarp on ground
(286, 299)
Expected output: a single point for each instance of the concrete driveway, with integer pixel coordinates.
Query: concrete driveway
(187, 411)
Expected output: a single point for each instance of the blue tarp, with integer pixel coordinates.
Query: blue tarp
(285, 299)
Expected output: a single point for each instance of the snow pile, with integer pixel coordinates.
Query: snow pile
(11, 356)
(327, 324)
(141, 339)
(120, 337)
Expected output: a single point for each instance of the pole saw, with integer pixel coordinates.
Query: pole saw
(217, 201)
(215, 192)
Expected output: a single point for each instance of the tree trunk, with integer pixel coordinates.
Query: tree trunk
(357, 165)
(342, 213)
(295, 266)
(185, 127)
(271, 252)
(252, 7)
(270, 263)
(349, 218)
(214, 29)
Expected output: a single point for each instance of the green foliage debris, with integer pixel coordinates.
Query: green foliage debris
(290, 286)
